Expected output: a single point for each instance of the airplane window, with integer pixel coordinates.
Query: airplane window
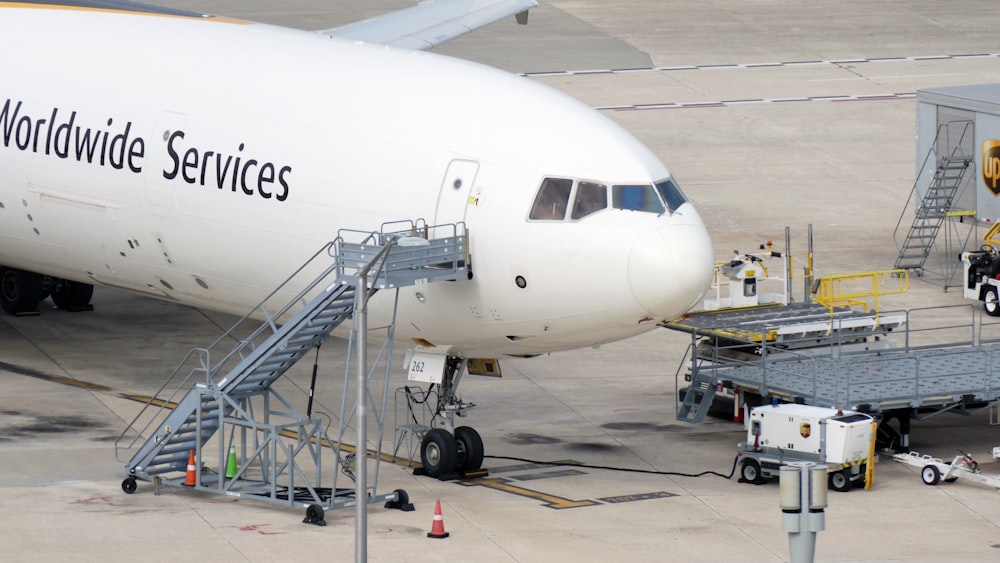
(636, 198)
(552, 200)
(590, 198)
(671, 194)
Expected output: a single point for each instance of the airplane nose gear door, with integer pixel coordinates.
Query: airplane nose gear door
(456, 191)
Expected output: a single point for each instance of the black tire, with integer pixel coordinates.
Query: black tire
(71, 295)
(991, 304)
(840, 481)
(750, 471)
(315, 515)
(129, 485)
(20, 291)
(930, 474)
(438, 452)
(470, 449)
(402, 501)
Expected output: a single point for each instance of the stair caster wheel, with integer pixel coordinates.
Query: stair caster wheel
(402, 501)
(315, 515)
(129, 485)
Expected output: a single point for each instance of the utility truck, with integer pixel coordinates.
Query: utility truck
(981, 269)
(844, 441)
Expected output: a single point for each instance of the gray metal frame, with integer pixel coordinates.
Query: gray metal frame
(941, 367)
(225, 398)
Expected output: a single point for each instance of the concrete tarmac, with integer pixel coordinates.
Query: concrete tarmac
(770, 114)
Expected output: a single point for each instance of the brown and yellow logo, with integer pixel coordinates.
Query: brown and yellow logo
(991, 165)
(805, 429)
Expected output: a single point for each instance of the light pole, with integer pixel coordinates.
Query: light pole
(803, 504)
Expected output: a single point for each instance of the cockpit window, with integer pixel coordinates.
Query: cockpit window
(636, 198)
(590, 198)
(552, 200)
(671, 194)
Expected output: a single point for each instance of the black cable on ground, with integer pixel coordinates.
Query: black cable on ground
(623, 469)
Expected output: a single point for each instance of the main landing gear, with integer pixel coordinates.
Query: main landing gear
(21, 292)
(446, 451)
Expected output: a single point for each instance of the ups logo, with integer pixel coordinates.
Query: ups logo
(805, 429)
(991, 165)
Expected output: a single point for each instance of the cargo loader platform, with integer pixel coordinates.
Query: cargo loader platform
(878, 363)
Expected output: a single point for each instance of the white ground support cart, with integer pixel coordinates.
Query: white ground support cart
(844, 441)
(933, 470)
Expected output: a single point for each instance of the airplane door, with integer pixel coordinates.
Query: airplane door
(456, 188)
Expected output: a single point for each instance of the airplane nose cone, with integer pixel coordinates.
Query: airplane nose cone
(670, 269)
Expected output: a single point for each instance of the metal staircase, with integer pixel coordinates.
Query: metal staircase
(697, 399)
(229, 384)
(932, 212)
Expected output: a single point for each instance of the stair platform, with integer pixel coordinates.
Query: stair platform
(224, 400)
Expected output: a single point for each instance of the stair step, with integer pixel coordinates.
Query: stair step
(255, 367)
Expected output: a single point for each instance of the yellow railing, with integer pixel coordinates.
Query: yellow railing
(853, 290)
(990, 234)
(806, 272)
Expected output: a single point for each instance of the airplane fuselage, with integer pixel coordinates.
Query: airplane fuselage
(204, 160)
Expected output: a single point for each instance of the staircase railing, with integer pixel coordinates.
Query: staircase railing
(929, 213)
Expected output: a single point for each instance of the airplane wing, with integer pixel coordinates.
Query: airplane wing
(432, 22)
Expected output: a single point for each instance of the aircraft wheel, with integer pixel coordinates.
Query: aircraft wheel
(470, 448)
(930, 474)
(840, 481)
(438, 452)
(990, 302)
(71, 295)
(129, 485)
(20, 291)
(750, 471)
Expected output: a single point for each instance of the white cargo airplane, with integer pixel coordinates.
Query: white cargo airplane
(202, 159)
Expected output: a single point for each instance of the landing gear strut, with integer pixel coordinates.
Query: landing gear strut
(446, 450)
(21, 291)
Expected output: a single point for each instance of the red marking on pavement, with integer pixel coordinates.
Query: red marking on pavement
(256, 528)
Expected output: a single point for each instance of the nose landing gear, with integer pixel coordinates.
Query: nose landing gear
(447, 452)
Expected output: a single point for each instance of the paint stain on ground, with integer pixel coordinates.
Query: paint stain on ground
(527, 439)
(34, 425)
(593, 447)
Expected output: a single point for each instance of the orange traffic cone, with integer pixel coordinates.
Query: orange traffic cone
(191, 479)
(437, 529)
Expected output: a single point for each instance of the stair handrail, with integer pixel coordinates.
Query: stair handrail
(205, 366)
(162, 404)
(923, 166)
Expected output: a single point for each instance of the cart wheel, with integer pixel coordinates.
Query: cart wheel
(990, 302)
(129, 485)
(402, 501)
(840, 481)
(750, 471)
(315, 515)
(930, 474)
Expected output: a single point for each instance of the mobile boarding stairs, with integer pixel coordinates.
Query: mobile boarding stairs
(226, 411)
